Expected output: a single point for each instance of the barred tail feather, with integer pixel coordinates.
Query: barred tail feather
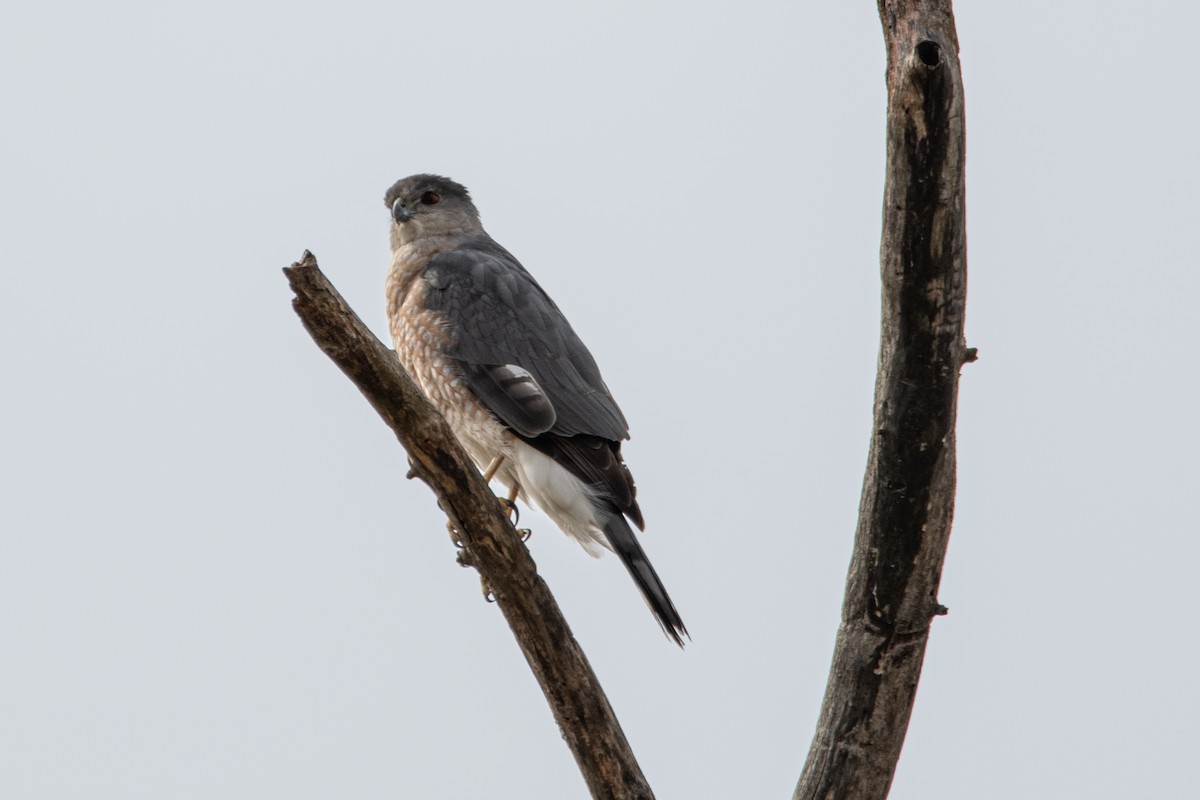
(623, 542)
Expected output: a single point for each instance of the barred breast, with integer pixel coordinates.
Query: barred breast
(422, 339)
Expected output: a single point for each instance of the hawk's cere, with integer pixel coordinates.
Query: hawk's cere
(492, 351)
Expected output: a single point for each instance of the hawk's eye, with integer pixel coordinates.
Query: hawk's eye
(430, 199)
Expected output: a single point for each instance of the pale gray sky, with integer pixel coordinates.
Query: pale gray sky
(214, 579)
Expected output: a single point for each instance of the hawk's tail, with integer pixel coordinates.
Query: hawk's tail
(625, 544)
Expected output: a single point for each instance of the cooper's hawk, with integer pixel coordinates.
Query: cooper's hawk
(524, 396)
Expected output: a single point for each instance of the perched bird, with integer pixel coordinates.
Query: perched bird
(494, 354)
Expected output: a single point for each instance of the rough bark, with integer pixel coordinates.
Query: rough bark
(908, 492)
(491, 544)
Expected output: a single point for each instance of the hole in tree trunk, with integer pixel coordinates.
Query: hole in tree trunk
(929, 53)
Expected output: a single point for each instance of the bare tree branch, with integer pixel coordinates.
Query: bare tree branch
(908, 492)
(491, 544)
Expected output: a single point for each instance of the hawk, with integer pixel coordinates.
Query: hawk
(494, 354)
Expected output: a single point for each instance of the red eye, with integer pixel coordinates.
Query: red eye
(430, 199)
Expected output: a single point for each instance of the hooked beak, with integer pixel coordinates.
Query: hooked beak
(400, 213)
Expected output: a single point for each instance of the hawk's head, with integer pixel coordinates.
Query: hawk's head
(430, 205)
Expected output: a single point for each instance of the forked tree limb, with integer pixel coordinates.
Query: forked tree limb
(908, 491)
(491, 544)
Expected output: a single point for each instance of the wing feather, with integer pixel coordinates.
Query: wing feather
(498, 316)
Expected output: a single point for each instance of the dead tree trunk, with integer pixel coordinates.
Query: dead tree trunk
(908, 492)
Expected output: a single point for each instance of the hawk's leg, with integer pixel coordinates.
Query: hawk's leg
(490, 472)
(511, 501)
